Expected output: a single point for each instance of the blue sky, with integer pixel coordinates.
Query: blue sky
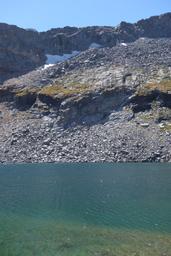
(46, 14)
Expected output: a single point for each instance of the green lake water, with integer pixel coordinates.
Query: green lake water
(85, 210)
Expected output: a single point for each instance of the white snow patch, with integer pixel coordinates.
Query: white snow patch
(47, 66)
(94, 46)
(123, 44)
(53, 59)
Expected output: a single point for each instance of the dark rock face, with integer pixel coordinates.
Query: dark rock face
(57, 41)
(144, 102)
(155, 27)
(53, 102)
(6, 95)
(25, 101)
(13, 63)
(92, 108)
(23, 50)
(19, 51)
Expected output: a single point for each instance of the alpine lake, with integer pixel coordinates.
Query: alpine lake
(91, 209)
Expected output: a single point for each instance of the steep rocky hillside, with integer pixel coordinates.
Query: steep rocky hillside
(106, 104)
(23, 50)
(108, 97)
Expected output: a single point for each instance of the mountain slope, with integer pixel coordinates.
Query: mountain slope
(105, 104)
(24, 50)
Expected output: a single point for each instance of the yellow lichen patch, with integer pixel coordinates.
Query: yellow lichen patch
(25, 92)
(163, 86)
(166, 127)
(147, 117)
(54, 90)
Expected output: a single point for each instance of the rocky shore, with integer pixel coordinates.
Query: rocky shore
(121, 138)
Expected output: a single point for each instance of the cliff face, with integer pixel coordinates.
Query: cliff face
(19, 51)
(58, 41)
(24, 50)
(155, 27)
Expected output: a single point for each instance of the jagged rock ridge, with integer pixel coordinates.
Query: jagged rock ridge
(24, 50)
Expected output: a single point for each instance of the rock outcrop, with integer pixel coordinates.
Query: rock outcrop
(19, 51)
(87, 88)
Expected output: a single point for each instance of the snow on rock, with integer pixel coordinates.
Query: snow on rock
(53, 59)
(123, 44)
(94, 45)
(47, 66)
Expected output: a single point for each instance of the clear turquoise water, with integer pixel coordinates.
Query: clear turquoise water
(85, 209)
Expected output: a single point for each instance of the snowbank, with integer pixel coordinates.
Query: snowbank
(123, 44)
(47, 66)
(53, 59)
